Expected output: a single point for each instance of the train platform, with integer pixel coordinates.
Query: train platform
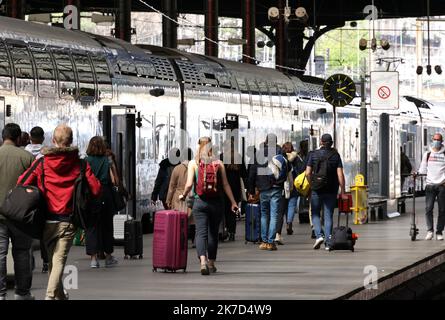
(294, 271)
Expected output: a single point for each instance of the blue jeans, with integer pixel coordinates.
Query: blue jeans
(270, 203)
(293, 203)
(21, 252)
(328, 201)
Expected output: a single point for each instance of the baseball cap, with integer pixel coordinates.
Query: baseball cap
(326, 138)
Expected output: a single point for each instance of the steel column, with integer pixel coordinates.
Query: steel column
(123, 23)
(170, 28)
(249, 24)
(211, 28)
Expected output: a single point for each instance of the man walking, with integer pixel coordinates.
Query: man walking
(433, 165)
(13, 162)
(325, 172)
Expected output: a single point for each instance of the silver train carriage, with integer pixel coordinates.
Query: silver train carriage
(143, 98)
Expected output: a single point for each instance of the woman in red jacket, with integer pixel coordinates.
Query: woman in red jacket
(61, 167)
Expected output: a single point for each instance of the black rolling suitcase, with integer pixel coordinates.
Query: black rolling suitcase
(133, 239)
(342, 236)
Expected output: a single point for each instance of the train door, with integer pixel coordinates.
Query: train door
(119, 127)
(2, 116)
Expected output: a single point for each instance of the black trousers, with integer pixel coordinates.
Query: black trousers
(99, 237)
(229, 216)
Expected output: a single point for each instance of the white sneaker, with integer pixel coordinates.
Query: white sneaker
(318, 243)
(439, 237)
(279, 239)
(429, 235)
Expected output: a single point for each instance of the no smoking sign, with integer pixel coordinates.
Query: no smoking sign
(384, 90)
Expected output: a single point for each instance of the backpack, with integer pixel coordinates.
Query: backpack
(279, 167)
(342, 239)
(319, 178)
(82, 200)
(207, 182)
(25, 206)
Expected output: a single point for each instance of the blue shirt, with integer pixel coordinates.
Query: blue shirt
(334, 162)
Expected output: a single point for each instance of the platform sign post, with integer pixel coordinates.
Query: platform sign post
(384, 90)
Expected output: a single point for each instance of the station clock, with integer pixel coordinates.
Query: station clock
(339, 90)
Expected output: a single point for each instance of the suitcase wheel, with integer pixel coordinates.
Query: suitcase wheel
(141, 256)
(352, 249)
(245, 242)
(126, 257)
(154, 270)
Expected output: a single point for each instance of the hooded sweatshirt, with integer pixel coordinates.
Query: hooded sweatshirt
(434, 166)
(61, 168)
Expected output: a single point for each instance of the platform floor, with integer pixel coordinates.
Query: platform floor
(294, 271)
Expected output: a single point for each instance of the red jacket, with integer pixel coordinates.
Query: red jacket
(61, 169)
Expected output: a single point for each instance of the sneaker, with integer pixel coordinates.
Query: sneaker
(327, 248)
(45, 268)
(279, 239)
(439, 237)
(3, 297)
(272, 247)
(25, 297)
(318, 243)
(205, 270)
(94, 264)
(212, 268)
(429, 235)
(264, 246)
(110, 261)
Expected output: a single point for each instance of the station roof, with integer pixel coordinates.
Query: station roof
(326, 12)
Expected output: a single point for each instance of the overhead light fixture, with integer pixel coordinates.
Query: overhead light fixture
(186, 42)
(236, 42)
(301, 14)
(261, 44)
(384, 44)
(438, 69)
(362, 44)
(273, 13)
(428, 69)
(270, 44)
(40, 17)
(419, 70)
(101, 19)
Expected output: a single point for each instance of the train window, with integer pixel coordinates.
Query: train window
(45, 68)
(102, 71)
(22, 62)
(262, 85)
(253, 87)
(65, 68)
(127, 67)
(5, 67)
(242, 85)
(84, 69)
(145, 69)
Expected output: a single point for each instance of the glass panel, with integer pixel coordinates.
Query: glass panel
(64, 66)
(5, 66)
(102, 71)
(44, 64)
(22, 63)
(84, 70)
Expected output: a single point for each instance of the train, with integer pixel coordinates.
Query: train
(147, 100)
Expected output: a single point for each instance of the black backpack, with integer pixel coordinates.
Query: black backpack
(83, 203)
(342, 239)
(319, 178)
(25, 206)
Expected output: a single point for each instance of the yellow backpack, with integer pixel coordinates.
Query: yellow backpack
(302, 184)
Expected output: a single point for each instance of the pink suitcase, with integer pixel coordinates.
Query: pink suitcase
(170, 240)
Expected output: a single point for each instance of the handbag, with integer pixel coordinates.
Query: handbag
(25, 206)
(119, 200)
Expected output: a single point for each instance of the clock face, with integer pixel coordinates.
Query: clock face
(339, 90)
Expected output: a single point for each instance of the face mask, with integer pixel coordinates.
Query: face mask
(436, 144)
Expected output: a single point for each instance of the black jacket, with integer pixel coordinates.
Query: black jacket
(261, 182)
(162, 180)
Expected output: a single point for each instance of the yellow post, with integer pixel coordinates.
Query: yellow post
(360, 200)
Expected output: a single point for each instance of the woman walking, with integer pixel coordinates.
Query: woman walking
(208, 177)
